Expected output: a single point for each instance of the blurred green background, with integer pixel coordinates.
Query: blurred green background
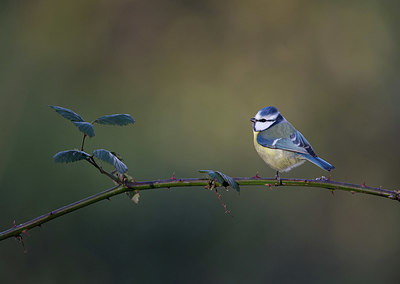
(192, 73)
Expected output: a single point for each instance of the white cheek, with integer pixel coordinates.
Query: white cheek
(260, 126)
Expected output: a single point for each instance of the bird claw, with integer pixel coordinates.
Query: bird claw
(322, 178)
(277, 177)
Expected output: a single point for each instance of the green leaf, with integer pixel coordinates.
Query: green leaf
(70, 156)
(230, 181)
(108, 157)
(115, 119)
(222, 179)
(85, 127)
(213, 175)
(67, 113)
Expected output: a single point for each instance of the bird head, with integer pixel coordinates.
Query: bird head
(266, 118)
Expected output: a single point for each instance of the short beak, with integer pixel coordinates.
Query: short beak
(253, 119)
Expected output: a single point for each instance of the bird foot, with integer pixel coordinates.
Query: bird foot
(277, 177)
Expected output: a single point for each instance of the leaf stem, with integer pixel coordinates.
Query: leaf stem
(83, 141)
(114, 178)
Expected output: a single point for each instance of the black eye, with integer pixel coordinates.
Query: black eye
(265, 120)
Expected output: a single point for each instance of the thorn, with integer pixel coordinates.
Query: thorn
(173, 176)
(223, 204)
(14, 224)
(363, 184)
(269, 186)
(26, 232)
(333, 192)
(352, 192)
(256, 176)
(108, 198)
(19, 238)
(329, 178)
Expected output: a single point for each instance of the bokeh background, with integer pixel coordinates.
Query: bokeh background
(192, 73)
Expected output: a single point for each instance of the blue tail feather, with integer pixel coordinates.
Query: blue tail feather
(319, 162)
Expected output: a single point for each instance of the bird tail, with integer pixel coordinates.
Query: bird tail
(319, 162)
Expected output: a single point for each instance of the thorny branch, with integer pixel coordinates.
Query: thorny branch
(124, 186)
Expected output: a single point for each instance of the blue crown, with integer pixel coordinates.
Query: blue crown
(268, 110)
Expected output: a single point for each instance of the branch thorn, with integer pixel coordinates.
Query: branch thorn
(256, 176)
(173, 176)
(19, 238)
(223, 204)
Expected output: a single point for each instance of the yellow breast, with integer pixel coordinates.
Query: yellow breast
(279, 160)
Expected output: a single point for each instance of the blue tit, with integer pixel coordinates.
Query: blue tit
(280, 145)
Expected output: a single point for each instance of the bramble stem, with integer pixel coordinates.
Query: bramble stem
(16, 231)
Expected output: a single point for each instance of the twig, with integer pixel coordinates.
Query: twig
(16, 231)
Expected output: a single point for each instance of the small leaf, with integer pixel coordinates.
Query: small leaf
(222, 179)
(70, 156)
(67, 113)
(213, 175)
(115, 119)
(108, 157)
(85, 127)
(135, 197)
(230, 181)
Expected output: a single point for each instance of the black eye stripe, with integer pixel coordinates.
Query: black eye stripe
(265, 120)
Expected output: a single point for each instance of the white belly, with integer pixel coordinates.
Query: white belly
(280, 160)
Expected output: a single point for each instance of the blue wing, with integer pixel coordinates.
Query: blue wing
(319, 162)
(294, 143)
(288, 138)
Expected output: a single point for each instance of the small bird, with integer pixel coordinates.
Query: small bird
(280, 145)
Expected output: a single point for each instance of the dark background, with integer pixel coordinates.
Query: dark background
(192, 73)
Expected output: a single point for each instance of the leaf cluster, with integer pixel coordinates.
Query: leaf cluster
(87, 128)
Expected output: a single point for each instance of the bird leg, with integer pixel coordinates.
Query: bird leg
(278, 178)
